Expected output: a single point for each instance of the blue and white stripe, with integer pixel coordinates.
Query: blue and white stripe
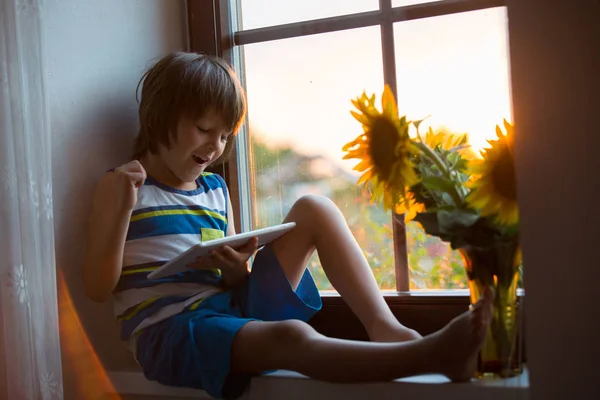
(164, 223)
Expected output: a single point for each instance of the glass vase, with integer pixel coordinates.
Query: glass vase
(498, 266)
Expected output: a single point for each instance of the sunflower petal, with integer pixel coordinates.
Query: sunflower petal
(357, 141)
(363, 165)
(358, 153)
(362, 118)
(364, 178)
(499, 132)
(388, 103)
(371, 100)
(508, 127)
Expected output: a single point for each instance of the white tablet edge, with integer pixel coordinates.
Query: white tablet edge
(176, 265)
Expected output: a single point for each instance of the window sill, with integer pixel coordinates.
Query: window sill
(426, 311)
(290, 385)
(416, 296)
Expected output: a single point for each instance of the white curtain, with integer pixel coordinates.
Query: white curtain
(30, 364)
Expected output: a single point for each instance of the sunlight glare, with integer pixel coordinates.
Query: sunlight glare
(90, 378)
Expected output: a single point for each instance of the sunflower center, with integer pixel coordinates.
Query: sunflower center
(504, 177)
(384, 138)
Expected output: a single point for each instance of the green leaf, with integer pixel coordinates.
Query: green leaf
(417, 123)
(458, 227)
(447, 199)
(429, 222)
(438, 183)
(453, 221)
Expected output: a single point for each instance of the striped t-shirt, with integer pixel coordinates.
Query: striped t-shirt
(164, 223)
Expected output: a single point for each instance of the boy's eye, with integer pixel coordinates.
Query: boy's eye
(203, 130)
(224, 138)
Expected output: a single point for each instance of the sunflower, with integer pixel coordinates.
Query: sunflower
(384, 148)
(494, 189)
(450, 141)
(409, 207)
(445, 139)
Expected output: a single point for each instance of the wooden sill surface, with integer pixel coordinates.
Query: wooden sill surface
(290, 386)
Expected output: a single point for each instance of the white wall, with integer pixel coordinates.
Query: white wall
(555, 57)
(96, 53)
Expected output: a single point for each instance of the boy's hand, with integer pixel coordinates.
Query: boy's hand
(233, 263)
(119, 188)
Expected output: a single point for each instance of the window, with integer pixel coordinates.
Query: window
(302, 62)
(452, 66)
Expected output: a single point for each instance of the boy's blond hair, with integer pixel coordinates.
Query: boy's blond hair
(186, 85)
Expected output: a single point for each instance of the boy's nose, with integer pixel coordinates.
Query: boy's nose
(214, 145)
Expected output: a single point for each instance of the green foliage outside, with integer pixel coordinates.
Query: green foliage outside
(278, 174)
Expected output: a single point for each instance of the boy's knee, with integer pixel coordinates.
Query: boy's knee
(314, 204)
(291, 333)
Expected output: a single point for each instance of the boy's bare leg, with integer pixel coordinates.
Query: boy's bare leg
(295, 346)
(320, 225)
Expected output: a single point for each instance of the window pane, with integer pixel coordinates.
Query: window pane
(261, 13)
(400, 3)
(299, 93)
(454, 68)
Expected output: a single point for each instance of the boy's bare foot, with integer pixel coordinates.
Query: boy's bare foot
(396, 333)
(458, 343)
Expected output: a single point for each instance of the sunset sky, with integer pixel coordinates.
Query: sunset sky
(454, 68)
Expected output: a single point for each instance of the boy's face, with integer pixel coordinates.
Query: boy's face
(199, 143)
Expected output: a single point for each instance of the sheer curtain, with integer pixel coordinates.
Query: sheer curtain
(30, 364)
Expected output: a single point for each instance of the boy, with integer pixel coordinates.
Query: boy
(216, 325)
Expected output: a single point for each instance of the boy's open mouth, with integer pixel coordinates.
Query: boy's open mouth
(199, 160)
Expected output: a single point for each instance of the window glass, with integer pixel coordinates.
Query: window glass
(261, 13)
(299, 102)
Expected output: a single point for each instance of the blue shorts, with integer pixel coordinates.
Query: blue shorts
(193, 349)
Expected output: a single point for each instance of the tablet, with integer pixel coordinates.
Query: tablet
(178, 264)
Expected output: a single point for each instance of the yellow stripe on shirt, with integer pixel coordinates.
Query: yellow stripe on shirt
(138, 308)
(135, 271)
(196, 304)
(160, 213)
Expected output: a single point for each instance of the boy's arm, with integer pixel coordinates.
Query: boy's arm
(114, 199)
(107, 232)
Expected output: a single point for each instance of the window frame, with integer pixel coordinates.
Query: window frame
(210, 31)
